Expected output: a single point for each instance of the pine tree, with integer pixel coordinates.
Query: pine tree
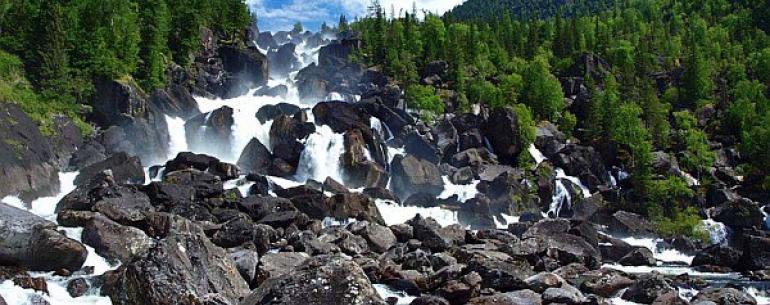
(51, 67)
(156, 20)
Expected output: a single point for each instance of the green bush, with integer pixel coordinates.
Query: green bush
(424, 99)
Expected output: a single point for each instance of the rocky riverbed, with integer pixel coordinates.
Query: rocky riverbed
(314, 184)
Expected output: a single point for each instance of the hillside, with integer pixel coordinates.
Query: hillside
(523, 9)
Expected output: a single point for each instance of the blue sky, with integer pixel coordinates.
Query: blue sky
(276, 15)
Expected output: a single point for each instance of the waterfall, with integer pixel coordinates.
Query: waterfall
(321, 157)
(575, 180)
(560, 197)
(717, 231)
(177, 140)
(536, 154)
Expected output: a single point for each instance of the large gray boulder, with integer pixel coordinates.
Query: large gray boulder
(411, 175)
(114, 241)
(326, 279)
(182, 268)
(30, 241)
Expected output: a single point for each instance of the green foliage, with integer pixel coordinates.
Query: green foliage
(567, 123)
(698, 156)
(629, 131)
(485, 93)
(156, 25)
(542, 91)
(527, 129)
(668, 207)
(424, 98)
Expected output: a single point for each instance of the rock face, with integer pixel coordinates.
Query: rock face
(246, 67)
(114, 241)
(132, 123)
(33, 242)
(255, 158)
(502, 130)
(26, 157)
(327, 279)
(340, 116)
(183, 268)
(125, 169)
(412, 175)
(211, 131)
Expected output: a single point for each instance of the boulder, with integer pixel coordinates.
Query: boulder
(246, 261)
(34, 243)
(78, 287)
(340, 116)
(247, 68)
(502, 130)
(277, 91)
(718, 255)
(606, 283)
(585, 163)
(542, 281)
(520, 297)
(326, 279)
(724, 296)
(379, 237)
(640, 256)
(412, 175)
(273, 265)
(176, 100)
(182, 268)
(671, 298)
(255, 158)
(211, 131)
(286, 134)
(629, 224)
(563, 295)
(125, 170)
(427, 230)
(26, 157)
(282, 60)
(130, 122)
(271, 112)
(756, 252)
(114, 241)
(739, 215)
(647, 288)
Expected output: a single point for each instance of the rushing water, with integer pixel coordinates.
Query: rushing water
(57, 285)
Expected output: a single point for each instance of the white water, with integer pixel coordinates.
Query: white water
(463, 191)
(394, 213)
(385, 292)
(57, 285)
(177, 140)
(662, 255)
(560, 199)
(321, 157)
(536, 154)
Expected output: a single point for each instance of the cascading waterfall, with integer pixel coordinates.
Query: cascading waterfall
(536, 154)
(177, 140)
(560, 199)
(321, 157)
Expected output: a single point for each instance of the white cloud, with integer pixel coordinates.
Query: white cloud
(307, 11)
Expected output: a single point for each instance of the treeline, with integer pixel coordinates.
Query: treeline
(480, 10)
(685, 76)
(65, 44)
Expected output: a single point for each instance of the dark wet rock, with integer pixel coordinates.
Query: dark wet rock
(211, 130)
(411, 175)
(548, 227)
(585, 163)
(474, 158)
(542, 281)
(282, 60)
(285, 136)
(277, 91)
(176, 100)
(427, 230)
(32, 242)
(606, 283)
(420, 147)
(500, 271)
(205, 184)
(629, 224)
(247, 68)
(647, 288)
(125, 205)
(520, 297)
(189, 160)
(502, 130)
(380, 237)
(241, 229)
(340, 116)
(182, 268)
(114, 241)
(640, 256)
(563, 295)
(246, 260)
(353, 205)
(429, 300)
(358, 170)
(403, 232)
(387, 112)
(279, 264)
(549, 140)
(328, 279)
(255, 158)
(756, 252)
(739, 214)
(26, 157)
(87, 154)
(718, 255)
(724, 296)
(21, 277)
(78, 287)
(271, 112)
(131, 123)
(381, 193)
(613, 249)
(671, 298)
